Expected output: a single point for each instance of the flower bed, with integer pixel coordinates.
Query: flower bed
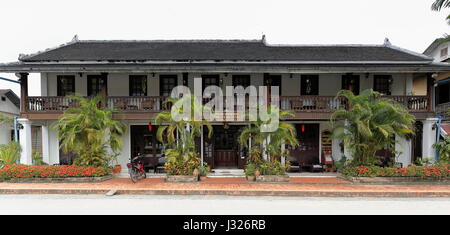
(424, 172)
(27, 172)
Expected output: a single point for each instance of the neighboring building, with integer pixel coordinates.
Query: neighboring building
(9, 107)
(439, 50)
(136, 76)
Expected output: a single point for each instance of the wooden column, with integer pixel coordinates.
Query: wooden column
(23, 92)
(430, 87)
(104, 89)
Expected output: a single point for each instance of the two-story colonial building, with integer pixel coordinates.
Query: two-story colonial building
(136, 76)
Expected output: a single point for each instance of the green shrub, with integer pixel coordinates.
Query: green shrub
(178, 164)
(10, 153)
(204, 170)
(250, 169)
(443, 150)
(273, 168)
(37, 159)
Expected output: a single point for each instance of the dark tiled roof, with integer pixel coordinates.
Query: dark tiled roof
(11, 96)
(220, 50)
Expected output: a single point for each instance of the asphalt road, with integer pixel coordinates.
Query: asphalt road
(124, 204)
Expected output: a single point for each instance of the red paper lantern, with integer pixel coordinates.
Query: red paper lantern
(303, 128)
(150, 127)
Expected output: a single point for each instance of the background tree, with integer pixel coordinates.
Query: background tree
(89, 131)
(439, 4)
(370, 124)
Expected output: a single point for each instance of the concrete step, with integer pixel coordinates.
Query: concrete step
(227, 173)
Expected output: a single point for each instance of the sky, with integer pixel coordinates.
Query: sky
(30, 26)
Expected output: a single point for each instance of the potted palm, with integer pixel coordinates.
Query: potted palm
(178, 136)
(269, 144)
(82, 131)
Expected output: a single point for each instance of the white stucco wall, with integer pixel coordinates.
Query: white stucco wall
(329, 84)
(403, 147)
(436, 54)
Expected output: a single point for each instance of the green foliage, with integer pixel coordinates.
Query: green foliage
(443, 150)
(89, 131)
(179, 136)
(425, 162)
(269, 142)
(179, 163)
(439, 4)
(273, 168)
(370, 124)
(37, 159)
(10, 153)
(250, 169)
(181, 133)
(6, 120)
(204, 170)
(341, 163)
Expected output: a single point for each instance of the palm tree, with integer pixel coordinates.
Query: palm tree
(439, 4)
(89, 131)
(180, 135)
(6, 120)
(269, 142)
(369, 124)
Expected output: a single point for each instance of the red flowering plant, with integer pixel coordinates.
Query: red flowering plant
(435, 171)
(11, 171)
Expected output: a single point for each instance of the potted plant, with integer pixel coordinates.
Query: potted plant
(117, 169)
(250, 171)
(204, 170)
(178, 136)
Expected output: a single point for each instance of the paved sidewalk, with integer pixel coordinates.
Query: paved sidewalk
(302, 187)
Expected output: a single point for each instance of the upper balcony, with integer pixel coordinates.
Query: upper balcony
(143, 107)
(140, 97)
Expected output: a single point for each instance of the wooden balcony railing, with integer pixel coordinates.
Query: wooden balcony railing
(155, 103)
(443, 110)
(137, 103)
(413, 103)
(50, 103)
(312, 103)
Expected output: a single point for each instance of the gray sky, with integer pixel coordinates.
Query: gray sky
(30, 26)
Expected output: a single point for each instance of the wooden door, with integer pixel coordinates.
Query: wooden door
(272, 80)
(144, 142)
(208, 148)
(307, 153)
(351, 82)
(225, 158)
(226, 147)
(416, 141)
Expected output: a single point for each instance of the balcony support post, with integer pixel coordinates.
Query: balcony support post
(104, 89)
(430, 88)
(23, 92)
(25, 142)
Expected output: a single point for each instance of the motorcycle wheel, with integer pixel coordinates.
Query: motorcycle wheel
(134, 175)
(143, 175)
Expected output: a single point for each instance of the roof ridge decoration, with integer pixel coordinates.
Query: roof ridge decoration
(174, 40)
